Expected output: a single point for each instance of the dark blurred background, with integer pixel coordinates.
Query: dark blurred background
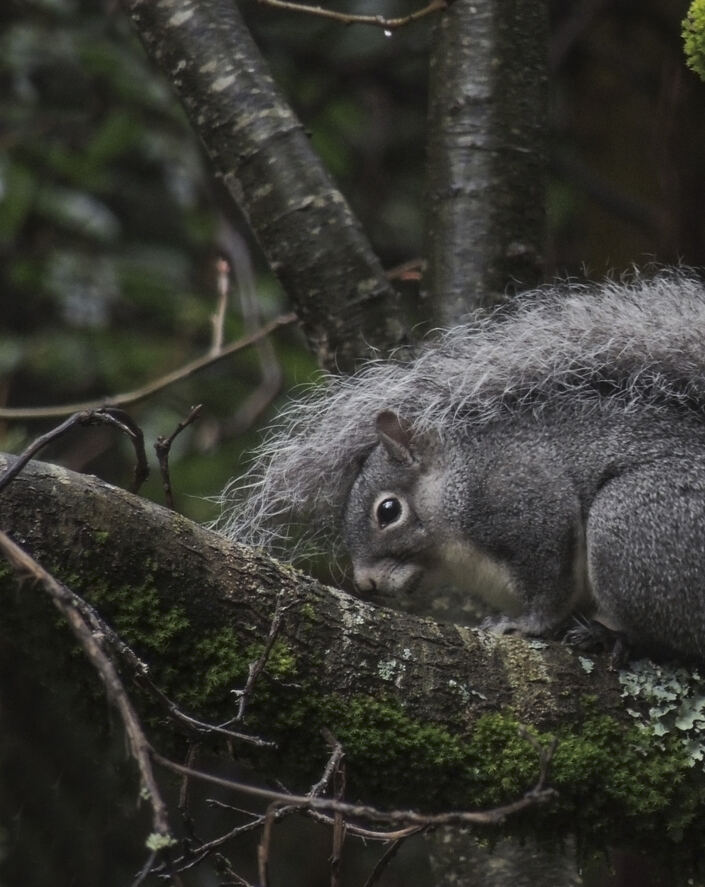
(109, 231)
(109, 223)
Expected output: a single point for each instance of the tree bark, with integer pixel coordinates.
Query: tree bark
(487, 138)
(260, 152)
(429, 714)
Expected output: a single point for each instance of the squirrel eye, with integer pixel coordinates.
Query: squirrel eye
(388, 511)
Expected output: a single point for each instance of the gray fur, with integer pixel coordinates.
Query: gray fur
(646, 335)
(551, 459)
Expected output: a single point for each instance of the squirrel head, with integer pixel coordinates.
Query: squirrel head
(391, 516)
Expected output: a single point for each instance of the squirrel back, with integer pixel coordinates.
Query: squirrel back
(638, 343)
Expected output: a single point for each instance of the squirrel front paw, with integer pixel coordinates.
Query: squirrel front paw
(528, 625)
(502, 625)
(591, 635)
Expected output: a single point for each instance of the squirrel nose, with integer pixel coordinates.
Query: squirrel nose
(363, 579)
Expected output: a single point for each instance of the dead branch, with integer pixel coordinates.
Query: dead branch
(162, 447)
(64, 600)
(331, 767)
(388, 855)
(255, 668)
(222, 269)
(379, 21)
(147, 390)
(539, 794)
(117, 418)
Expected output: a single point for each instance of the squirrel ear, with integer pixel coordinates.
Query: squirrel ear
(396, 436)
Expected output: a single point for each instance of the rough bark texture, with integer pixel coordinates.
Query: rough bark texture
(259, 149)
(486, 153)
(429, 714)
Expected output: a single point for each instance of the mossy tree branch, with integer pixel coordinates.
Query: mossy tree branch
(423, 710)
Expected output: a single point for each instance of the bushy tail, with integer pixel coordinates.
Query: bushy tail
(641, 341)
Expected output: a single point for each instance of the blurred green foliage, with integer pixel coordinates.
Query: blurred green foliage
(108, 232)
(694, 37)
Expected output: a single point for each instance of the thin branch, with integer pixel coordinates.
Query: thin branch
(384, 860)
(264, 845)
(331, 767)
(117, 418)
(191, 757)
(222, 268)
(145, 870)
(64, 600)
(202, 727)
(339, 824)
(389, 24)
(131, 397)
(226, 866)
(256, 668)
(162, 448)
(271, 372)
(539, 794)
(140, 674)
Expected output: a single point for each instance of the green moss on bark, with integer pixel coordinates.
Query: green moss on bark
(613, 784)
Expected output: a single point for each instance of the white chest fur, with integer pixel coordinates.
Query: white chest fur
(470, 569)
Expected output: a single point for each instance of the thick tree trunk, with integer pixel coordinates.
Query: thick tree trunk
(487, 137)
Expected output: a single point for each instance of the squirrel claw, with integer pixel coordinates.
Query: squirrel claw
(591, 635)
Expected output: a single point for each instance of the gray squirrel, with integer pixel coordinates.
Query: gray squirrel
(549, 457)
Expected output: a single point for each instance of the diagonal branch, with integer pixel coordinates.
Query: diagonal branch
(155, 385)
(260, 151)
(63, 599)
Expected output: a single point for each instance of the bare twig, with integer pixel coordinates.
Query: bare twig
(539, 794)
(545, 754)
(271, 375)
(226, 867)
(191, 757)
(256, 668)
(388, 24)
(140, 673)
(357, 831)
(162, 447)
(276, 812)
(201, 727)
(222, 269)
(105, 416)
(389, 854)
(131, 397)
(64, 600)
(145, 870)
(264, 844)
(336, 857)
(331, 767)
